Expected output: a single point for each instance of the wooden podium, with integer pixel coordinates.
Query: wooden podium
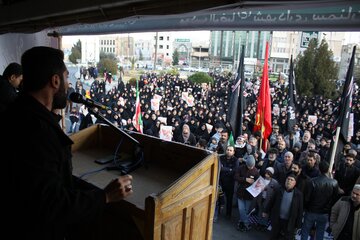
(174, 192)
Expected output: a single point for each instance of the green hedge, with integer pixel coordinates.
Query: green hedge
(201, 77)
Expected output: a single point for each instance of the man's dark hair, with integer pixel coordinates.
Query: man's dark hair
(39, 65)
(202, 142)
(225, 131)
(297, 164)
(12, 68)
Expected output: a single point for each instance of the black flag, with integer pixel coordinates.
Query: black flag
(237, 100)
(344, 109)
(343, 118)
(291, 118)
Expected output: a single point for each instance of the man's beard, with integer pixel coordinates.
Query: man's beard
(59, 100)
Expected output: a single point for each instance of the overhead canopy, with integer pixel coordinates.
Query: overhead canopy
(114, 16)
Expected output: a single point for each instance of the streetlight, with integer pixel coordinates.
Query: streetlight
(200, 58)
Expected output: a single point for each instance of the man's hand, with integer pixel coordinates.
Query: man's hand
(119, 189)
(250, 180)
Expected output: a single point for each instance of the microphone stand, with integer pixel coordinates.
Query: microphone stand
(125, 167)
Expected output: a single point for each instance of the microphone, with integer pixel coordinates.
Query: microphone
(78, 98)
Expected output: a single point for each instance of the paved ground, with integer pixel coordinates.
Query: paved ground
(225, 229)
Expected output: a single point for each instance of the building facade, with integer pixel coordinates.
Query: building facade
(184, 48)
(225, 47)
(163, 48)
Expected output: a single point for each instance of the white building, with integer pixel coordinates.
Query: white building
(90, 50)
(283, 45)
(144, 49)
(163, 48)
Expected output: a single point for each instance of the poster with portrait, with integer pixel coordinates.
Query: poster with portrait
(157, 96)
(190, 101)
(276, 110)
(257, 187)
(155, 104)
(312, 119)
(162, 120)
(122, 101)
(184, 96)
(165, 132)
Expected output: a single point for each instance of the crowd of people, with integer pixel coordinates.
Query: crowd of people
(299, 193)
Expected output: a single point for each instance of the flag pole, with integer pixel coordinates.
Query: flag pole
(333, 152)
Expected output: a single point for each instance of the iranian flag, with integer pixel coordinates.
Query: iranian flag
(137, 121)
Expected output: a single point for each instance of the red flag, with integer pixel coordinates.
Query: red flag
(263, 113)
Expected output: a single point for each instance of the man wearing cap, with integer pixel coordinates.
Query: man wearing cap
(263, 199)
(269, 161)
(273, 136)
(286, 210)
(245, 175)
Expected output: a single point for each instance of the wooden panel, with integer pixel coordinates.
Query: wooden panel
(172, 229)
(196, 178)
(199, 220)
(193, 194)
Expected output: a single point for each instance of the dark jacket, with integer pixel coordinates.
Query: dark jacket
(296, 209)
(346, 177)
(322, 194)
(227, 170)
(243, 172)
(42, 201)
(8, 94)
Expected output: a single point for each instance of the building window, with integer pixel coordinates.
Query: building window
(161, 46)
(167, 46)
(161, 38)
(167, 54)
(168, 38)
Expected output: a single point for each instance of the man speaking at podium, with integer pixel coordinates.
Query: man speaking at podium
(42, 198)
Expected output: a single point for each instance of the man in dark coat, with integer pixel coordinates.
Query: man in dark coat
(44, 200)
(229, 164)
(286, 210)
(9, 84)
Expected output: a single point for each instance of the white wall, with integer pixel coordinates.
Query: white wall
(13, 45)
